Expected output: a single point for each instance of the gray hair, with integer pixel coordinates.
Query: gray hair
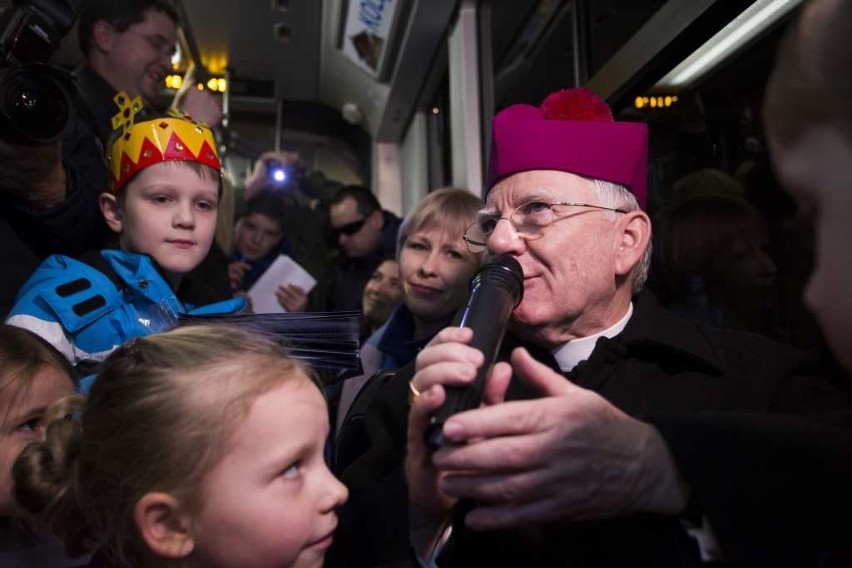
(619, 196)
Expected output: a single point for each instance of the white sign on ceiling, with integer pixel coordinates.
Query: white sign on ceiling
(368, 30)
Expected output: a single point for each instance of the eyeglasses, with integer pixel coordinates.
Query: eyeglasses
(350, 228)
(528, 220)
(156, 41)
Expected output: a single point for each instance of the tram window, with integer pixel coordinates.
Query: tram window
(439, 139)
(611, 23)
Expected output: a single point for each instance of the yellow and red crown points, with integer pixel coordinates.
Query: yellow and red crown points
(175, 137)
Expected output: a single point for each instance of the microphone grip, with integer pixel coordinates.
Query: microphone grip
(487, 313)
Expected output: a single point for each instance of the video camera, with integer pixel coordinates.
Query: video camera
(281, 176)
(36, 102)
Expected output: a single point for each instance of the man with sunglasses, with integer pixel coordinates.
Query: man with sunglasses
(567, 462)
(364, 235)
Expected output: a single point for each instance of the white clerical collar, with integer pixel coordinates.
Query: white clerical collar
(570, 354)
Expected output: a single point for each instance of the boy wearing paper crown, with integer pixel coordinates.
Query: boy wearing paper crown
(165, 188)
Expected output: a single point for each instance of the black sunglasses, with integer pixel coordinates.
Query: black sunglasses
(351, 228)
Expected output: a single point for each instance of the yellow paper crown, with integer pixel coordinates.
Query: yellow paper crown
(141, 144)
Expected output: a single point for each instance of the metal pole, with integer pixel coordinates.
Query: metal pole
(580, 41)
(279, 124)
(201, 73)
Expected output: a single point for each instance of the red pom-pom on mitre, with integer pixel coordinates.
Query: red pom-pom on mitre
(575, 104)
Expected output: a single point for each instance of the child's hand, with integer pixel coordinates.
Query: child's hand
(236, 271)
(292, 298)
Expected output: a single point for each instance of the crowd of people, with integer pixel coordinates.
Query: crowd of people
(616, 428)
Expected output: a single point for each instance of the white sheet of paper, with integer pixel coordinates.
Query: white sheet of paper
(283, 270)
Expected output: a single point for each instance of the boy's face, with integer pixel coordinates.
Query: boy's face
(169, 212)
(271, 500)
(257, 236)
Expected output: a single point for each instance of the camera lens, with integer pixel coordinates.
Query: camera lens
(34, 103)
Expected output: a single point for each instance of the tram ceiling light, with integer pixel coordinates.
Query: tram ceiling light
(281, 5)
(174, 81)
(215, 84)
(742, 29)
(177, 56)
(351, 113)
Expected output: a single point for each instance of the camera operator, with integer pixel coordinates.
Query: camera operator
(271, 170)
(47, 205)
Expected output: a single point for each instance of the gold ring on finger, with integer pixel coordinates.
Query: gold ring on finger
(413, 393)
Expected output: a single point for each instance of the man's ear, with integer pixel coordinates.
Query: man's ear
(377, 219)
(164, 528)
(634, 238)
(111, 211)
(103, 36)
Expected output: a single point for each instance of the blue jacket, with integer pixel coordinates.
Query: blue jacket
(86, 313)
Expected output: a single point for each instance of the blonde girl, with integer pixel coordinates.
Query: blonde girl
(202, 446)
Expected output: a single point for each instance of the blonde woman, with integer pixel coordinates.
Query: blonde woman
(435, 268)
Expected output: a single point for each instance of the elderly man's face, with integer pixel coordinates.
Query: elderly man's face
(570, 270)
(817, 170)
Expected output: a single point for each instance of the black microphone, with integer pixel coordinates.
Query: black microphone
(495, 290)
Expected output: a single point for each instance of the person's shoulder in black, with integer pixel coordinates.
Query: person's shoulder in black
(95, 102)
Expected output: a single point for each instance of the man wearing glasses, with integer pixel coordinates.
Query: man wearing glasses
(562, 465)
(128, 45)
(365, 235)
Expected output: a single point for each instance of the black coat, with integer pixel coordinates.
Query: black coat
(662, 369)
(71, 227)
